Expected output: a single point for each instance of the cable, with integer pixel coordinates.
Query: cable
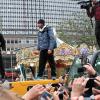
(36, 12)
(32, 13)
(28, 14)
(39, 9)
(43, 10)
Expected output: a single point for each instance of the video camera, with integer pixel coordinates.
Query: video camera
(85, 4)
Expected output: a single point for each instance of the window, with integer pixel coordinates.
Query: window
(12, 41)
(8, 49)
(19, 41)
(16, 41)
(12, 49)
(35, 41)
(27, 41)
(8, 41)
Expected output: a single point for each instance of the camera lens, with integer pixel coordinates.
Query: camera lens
(81, 70)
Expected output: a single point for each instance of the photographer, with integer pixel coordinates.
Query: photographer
(94, 11)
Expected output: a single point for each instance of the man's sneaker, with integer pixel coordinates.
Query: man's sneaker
(39, 78)
(53, 77)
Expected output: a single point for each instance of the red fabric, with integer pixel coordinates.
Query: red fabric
(59, 65)
(10, 74)
(97, 13)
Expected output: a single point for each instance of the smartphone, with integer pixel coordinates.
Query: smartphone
(90, 84)
(45, 95)
(61, 94)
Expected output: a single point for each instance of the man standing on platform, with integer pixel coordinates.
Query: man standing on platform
(46, 46)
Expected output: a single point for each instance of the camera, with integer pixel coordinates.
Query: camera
(81, 70)
(61, 94)
(85, 4)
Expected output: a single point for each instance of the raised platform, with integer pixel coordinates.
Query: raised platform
(22, 87)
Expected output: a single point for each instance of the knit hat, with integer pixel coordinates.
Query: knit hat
(41, 21)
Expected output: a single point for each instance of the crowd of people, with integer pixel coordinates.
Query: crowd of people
(81, 88)
(76, 89)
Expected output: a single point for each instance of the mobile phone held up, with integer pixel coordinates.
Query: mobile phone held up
(45, 95)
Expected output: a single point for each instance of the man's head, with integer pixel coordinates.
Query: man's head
(41, 23)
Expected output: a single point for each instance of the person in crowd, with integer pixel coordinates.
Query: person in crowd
(78, 89)
(59, 91)
(2, 48)
(32, 94)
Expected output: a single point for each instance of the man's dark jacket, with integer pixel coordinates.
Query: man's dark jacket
(46, 39)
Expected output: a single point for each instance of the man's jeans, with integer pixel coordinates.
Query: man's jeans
(44, 57)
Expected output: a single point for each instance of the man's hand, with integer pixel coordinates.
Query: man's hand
(49, 52)
(78, 87)
(95, 91)
(97, 81)
(65, 95)
(90, 69)
(56, 95)
(34, 92)
(36, 52)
